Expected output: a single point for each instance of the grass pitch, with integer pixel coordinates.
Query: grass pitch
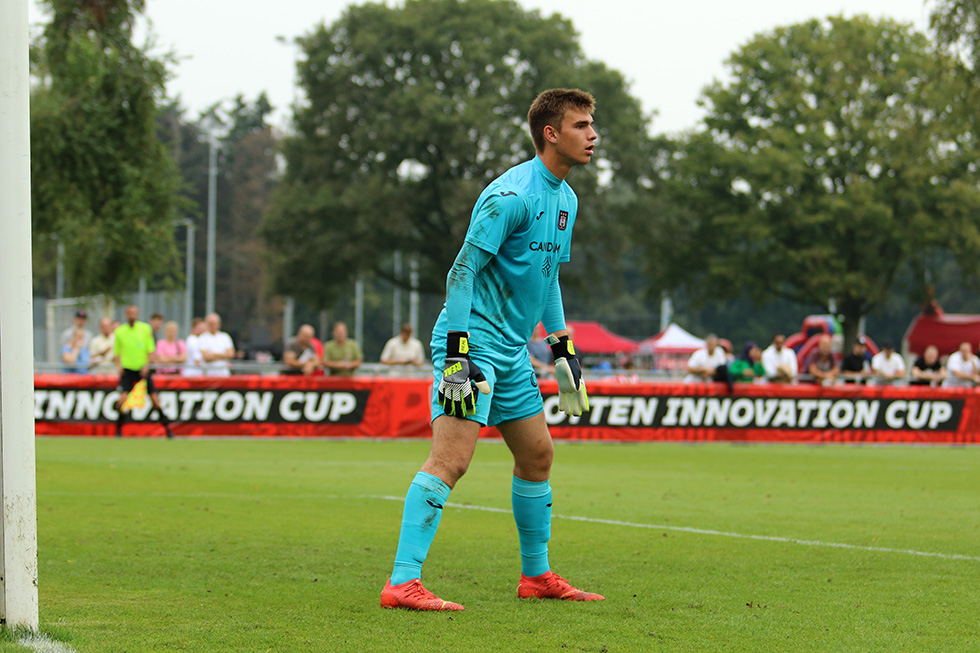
(284, 545)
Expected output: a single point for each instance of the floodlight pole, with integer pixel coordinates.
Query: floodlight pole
(18, 490)
(212, 219)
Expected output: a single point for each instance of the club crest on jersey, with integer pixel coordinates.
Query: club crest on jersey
(562, 220)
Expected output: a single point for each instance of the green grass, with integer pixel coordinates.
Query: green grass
(263, 545)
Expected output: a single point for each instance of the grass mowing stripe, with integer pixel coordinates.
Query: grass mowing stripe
(706, 531)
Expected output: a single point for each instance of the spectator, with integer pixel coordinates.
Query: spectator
(217, 348)
(341, 355)
(403, 349)
(962, 368)
(887, 366)
(80, 320)
(856, 366)
(100, 348)
(540, 353)
(779, 361)
(710, 363)
(170, 350)
(928, 369)
(133, 349)
(156, 323)
(194, 363)
(821, 364)
(75, 354)
(299, 356)
(749, 367)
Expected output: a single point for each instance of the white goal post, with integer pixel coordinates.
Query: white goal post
(18, 492)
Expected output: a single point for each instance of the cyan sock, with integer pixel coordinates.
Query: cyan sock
(423, 510)
(532, 512)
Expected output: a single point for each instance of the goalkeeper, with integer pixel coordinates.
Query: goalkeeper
(503, 283)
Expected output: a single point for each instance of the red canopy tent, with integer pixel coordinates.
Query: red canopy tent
(593, 338)
(945, 331)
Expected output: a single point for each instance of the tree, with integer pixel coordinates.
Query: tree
(833, 160)
(101, 180)
(409, 112)
(957, 27)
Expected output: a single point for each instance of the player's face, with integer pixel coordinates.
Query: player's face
(576, 139)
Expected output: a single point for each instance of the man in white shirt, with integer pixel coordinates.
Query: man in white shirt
(403, 349)
(780, 361)
(962, 368)
(887, 366)
(194, 359)
(710, 363)
(217, 348)
(100, 349)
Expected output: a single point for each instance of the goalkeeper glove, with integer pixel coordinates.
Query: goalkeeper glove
(459, 376)
(572, 397)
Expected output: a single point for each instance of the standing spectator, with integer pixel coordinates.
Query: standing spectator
(156, 324)
(928, 369)
(75, 354)
(856, 366)
(134, 347)
(170, 350)
(341, 355)
(192, 367)
(403, 349)
(217, 348)
(749, 367)
(300, 356)
(962, 368)
(100, 348)
(821, 364)
(779, 361)
(887, 366)
(542, 359)
(710, 363)
(80, 320)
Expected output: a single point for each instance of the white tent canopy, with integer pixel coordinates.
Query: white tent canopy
(672, 340)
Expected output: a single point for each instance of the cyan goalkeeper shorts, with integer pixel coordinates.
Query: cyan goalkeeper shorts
(514, 392)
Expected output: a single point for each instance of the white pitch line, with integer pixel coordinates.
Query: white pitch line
(705, 531)
(43, 644)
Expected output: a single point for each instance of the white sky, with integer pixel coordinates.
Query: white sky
(668, 51)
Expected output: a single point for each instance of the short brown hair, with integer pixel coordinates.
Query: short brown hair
(549, 109)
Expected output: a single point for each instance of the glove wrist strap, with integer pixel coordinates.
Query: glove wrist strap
(457, 343)
(561, 347)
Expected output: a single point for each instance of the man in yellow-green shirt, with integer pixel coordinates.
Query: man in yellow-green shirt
(133, 350)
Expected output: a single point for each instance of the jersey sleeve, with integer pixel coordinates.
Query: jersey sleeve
(554, 311)
(459, 284)
(497, 214)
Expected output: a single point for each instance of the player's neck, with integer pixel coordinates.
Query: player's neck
(555, 164)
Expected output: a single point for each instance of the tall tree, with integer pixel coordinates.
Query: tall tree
(102, 181)
(956, 24)
(409, 112)
(833, 160)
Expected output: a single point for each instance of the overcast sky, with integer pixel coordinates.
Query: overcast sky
(667, 50)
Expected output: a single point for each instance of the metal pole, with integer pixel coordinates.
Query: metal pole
(141, 299)
(413, 297)
(359, 311)
(59, 277)
(396, 312)
(212, 217)
(666, 310)
(18, 490)
(189, 276)
(287, 320)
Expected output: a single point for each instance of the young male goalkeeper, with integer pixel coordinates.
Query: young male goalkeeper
(503, 282)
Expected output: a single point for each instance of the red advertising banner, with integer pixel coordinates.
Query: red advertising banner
(296, 406)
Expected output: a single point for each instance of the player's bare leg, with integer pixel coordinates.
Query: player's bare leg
(530, 443)
(453, 443)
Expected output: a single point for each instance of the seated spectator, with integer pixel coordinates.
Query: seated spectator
(75, 354)
(170, 350)
(887, 365)
(856, 366)
(341, 355)
(403, 349)
(300, 356)
(821, 364)
(192, 367)
(156, 324)
(928, 369)
(962, 368)
(779, 361)
(100, 349)
(710, 363)
(80, 320)
(748, 367)
(540, 353)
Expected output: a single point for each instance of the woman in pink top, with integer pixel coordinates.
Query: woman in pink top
(170, 349)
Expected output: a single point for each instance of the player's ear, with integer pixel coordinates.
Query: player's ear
(550, 134)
